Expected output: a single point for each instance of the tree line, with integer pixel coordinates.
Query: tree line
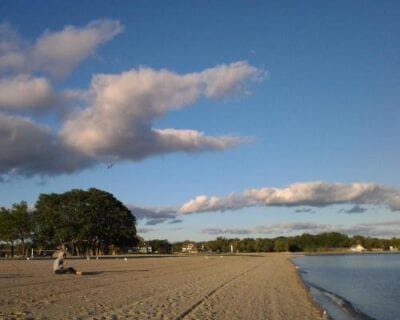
(79, 221)
(329, 241)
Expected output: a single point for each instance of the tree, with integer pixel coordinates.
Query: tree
(160, 246)
(15, 225)
(7, 229)
(281, 244)
(22, 222)
(84, 220)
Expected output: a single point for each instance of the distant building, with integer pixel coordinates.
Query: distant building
(189, 248)
(145, 249)
(357, 248)
(393, 248)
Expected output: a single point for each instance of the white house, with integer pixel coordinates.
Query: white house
(357, 248)
(189, 248)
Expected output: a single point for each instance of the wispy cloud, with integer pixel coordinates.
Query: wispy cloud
(304, 210)
(384, 229)
(144, 230)
(154, 216)
(354, 209)
(56, 53)
(225, 231)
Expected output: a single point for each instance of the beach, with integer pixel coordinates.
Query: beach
(168, 287)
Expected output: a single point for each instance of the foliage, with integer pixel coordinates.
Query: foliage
(305, 242)
(160, 246)
(15, 225)
(83, 221)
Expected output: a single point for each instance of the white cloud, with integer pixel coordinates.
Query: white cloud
(122, 109)
(313, 194)
(24, 92)
(227, 79)
(55, 52)
(60, 52)
(113, 121)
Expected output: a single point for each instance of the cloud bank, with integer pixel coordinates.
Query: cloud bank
(305, 196)
(113, 119)
(312, 194)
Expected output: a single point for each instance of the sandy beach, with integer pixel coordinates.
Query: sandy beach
(198, 287)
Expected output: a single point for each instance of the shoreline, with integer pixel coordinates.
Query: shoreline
(265, 286)
(337, 286)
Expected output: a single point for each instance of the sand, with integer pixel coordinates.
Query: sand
(199, 287)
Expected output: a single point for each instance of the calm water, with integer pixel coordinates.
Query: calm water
(360, 286)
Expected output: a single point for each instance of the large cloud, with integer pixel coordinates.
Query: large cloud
(55, 52)
(118, 122)
(309, 194)
(114, 120)
(29, 148)
(313, 194)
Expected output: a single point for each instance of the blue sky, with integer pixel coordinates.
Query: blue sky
(207, 98)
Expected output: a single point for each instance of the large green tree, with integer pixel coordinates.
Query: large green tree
(84, 220)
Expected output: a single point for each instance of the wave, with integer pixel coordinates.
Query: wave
(344, 305)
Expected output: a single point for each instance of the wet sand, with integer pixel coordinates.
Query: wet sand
(199, 287)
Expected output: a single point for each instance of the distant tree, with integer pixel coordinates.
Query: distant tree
(161, 246)
(248, 245)
(281, 244)
(220, 244)
(266, 245)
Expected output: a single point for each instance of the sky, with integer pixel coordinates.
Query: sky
(207, 118)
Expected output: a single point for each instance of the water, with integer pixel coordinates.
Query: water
(359, 286)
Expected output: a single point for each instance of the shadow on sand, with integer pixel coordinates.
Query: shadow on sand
(95, 273)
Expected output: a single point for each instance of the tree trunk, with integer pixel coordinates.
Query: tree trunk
(23, 246)
(12, 249)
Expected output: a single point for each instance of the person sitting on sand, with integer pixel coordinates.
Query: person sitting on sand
(58, 265)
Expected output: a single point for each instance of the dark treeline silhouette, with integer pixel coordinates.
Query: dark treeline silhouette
(331, 241)
(80, 222)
